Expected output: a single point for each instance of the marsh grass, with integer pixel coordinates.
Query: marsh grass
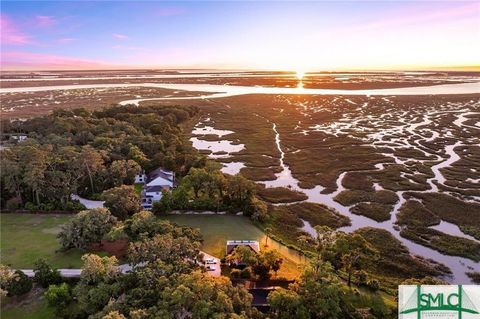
(394, 259)
(444, 243)
(280, 195)
(413, 213)
(375, 211)
(351, 197)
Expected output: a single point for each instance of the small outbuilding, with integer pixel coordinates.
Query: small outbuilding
(232, 244)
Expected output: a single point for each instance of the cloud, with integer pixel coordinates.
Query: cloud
(30, 60)
(120, 36)
(45, 21)
(11, 34)
(169, 11)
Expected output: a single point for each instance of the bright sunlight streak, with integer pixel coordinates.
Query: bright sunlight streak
(300, 74)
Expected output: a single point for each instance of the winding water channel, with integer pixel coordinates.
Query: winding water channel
(458, 265)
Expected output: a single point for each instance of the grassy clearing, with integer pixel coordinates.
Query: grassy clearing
(217, 229)
(36, 310)
(27, 237)
(31, 306)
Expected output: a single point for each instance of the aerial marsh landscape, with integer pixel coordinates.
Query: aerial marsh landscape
(366, 156)
(247, 160)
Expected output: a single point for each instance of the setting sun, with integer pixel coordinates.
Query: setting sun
(353, 125)
(300, 74)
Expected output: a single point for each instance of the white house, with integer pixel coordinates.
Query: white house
(156, 182)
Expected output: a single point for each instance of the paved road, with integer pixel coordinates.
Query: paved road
(124, 268)
(66, 273)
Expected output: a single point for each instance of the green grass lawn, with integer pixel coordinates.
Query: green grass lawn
(138, 188)
(35, 309)
(217, 229)
(26, 237)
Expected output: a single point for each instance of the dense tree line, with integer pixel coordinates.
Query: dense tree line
(167, 280)
(247, 264)
(78, 152)
(207, 188)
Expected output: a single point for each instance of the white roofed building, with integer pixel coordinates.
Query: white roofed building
(156, 182)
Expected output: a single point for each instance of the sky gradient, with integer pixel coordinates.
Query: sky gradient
(308, 36)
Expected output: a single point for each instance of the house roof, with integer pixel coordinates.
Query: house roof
(160, 172)
(156, 188)
(232, 244)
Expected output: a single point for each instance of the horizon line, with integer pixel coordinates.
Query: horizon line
(465, 68)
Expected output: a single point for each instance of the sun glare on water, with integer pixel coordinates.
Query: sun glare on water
(300, 74)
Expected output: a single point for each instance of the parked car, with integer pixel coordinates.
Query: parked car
(210, 261)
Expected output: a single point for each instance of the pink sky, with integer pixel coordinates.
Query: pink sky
(276, 35)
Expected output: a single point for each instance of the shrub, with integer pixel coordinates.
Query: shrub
(204, 204)
(19, 284)
(69, 206)
(246, 273)
(30, 206)
(373, 284)
(235, 273)
(163, 206)
(362, 277)
(74, 206)
(115, 233)
(114, 315)
(45, 275)
(13, 203)
(59, 297)
(6, 275)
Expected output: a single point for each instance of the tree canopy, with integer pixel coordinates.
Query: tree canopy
(87, 227)
(85, 153)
